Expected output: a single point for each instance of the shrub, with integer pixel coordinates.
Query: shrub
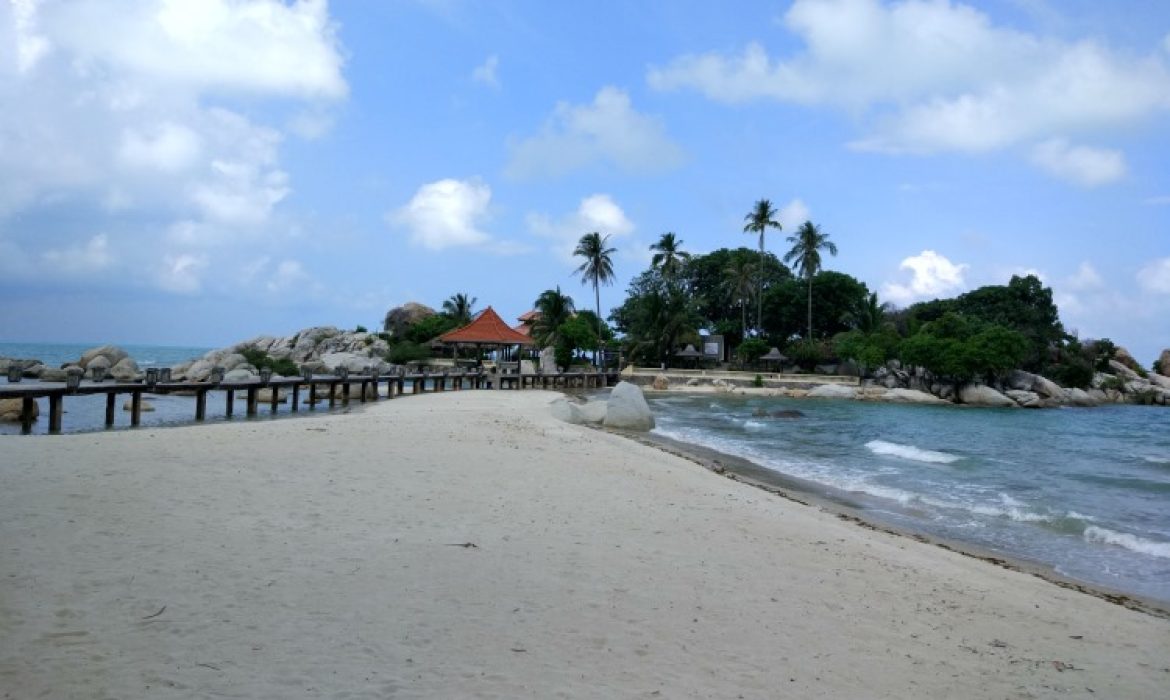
(260, 359)
(807, 353)
(360, 329)
(406, 351)
(1114, 383)
(751, 350)
(1157, 367)
(758, 382)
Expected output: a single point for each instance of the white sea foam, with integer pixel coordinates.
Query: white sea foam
(1013, 513)
(753, 425)
(1131, 542)
(917, 454)
(1156, 460)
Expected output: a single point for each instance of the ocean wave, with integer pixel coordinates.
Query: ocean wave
(753, 425)
(917, 454)
(1133, 543)
(1012, 513)
(1160, 461)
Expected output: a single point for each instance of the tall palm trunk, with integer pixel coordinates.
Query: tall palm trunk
(743, 317)
(760, 289)
(810, 307)
(597, 300)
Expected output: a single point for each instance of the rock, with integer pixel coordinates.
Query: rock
(722, 385)
(99, 362)
(199, 371)
(661, 383)
(239, 374)
(788, 413)
(10, 410)
(125, 370)
(564, 410)
(1159, 380)
(1122, 370)
(1122, 355)
(1078, 397)
(265, 396)
(911, 396)
(145, 407)
(627, 409)
(52, 374)
(232, 361)
(982, 395)
(354, 362)
(112, 353)
(593, 412)
(1026, 399)
(833, 391)
(400, 318)
(1164, 362)
(693, 381)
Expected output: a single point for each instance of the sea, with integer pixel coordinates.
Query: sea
(1082, 491)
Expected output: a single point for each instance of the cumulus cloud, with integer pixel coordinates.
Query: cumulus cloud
(934, 76)
(608, 130)
(136, 109)
(486, 72)
(1081, 165)
(1154, 277)
(1085, 279)
(445, 214)
(93, 256)
(793, 214)
(931, 276)
(597, 212)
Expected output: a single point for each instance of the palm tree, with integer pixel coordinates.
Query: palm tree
(738, 277)
(669, 257)
(869, 315)
(597, 268)
(555, 308)
(759, 220)
(807, 243)
(460, 308)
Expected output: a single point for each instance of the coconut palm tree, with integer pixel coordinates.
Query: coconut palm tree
(805, 254)
(669, 256)
(738, 278)
(759, 220)
(460, 308)
(597, 268)
(555, 309)
(869, 315)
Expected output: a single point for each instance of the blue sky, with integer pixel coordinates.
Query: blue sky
(201, 173)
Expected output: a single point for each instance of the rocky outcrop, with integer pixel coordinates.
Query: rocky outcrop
(1026, 399)
(661, 383)
(833, 391)
(10, 410)
(125, 370)
(144, 406)
(911, 396)
(983, 395)
(401, 318)
(627, 409)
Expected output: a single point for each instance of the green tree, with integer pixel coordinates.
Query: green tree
(805, 254)
(669, 257)
(555, 310)
(838, 297)
(963, 349)
(598, 266)
(759, 220)
(430, 328)
(655, 318)
(868, 316)
(705, 279)
(738, 278)
(460, 308)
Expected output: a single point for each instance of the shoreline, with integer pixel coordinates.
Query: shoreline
(469, 544)
(842, 505)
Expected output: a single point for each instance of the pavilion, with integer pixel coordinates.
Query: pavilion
(488, 330)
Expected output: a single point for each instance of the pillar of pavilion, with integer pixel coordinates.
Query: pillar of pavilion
(488, 330)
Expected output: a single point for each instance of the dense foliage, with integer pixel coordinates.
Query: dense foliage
(259, 359)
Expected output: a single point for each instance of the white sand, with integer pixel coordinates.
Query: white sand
(315, 558)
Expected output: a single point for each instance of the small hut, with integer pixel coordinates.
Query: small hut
(689, 355)
(774, 357)
(488, 330)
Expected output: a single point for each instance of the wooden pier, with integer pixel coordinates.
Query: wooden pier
(369, 389)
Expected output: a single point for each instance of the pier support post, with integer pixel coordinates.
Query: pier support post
(275, 397)
(252, 401)
(296, 397)
(136, 409)
(200, 404)
(332, 394)
(345, 394)
(312, 396)
(229, 408)
(56, 410)
(27, 404)
(111, 404)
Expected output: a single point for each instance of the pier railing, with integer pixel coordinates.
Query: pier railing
(340, 388)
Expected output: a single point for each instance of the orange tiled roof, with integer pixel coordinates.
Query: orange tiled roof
(488, 327)
(528, 316)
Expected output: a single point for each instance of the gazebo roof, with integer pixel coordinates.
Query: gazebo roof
(487, 329)
(688, 351)
(774, 354)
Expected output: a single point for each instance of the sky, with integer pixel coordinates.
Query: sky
(200, 173)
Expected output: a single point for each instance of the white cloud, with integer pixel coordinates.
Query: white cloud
(181, 273)
(1085, 279)
(446, 214)
(793, 214)
(598, 212)
(608, 130)
(487, 72)
(94, 256)
(934, 76)
(166, 147)
(30, 46)
(932, 276)
(260, 46)
(1081, 165)
(1154, 277)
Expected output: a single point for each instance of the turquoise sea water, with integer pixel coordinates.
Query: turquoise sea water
(1084, 491)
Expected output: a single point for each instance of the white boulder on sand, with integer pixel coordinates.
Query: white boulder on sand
(627, 409)
(981, 395)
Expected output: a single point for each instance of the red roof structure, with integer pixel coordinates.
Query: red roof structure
(487, 329)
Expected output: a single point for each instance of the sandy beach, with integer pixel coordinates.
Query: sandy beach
(467, 544)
